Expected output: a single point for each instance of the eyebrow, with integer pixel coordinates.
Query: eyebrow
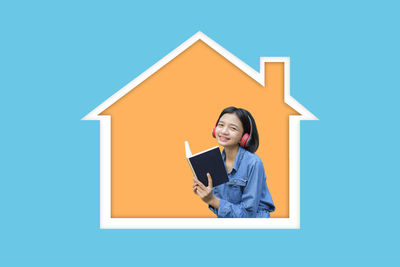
(231, 123)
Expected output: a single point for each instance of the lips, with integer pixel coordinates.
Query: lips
(224, 139)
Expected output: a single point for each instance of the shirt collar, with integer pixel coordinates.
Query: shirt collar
(238, 158)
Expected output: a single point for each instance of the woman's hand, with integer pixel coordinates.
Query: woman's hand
(205, 193)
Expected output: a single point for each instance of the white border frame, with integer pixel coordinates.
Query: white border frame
(214, 223)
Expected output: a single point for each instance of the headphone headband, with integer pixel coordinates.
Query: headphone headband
(251, 125)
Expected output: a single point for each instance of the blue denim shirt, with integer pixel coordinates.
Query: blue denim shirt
(246, 194)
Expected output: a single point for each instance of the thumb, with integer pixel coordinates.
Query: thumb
(210, 184)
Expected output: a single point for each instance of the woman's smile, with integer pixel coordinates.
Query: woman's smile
(224, 139)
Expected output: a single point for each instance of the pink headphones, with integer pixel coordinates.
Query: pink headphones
(245, 138)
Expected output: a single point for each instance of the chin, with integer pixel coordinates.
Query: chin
(223, 144)
(226, 144)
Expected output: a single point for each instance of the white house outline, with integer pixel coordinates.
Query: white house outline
(294, 151)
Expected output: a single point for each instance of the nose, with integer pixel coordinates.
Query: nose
(224, 130)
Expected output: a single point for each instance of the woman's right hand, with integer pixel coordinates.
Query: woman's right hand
(204, 192)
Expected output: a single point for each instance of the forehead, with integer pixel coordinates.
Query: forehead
(231, 118)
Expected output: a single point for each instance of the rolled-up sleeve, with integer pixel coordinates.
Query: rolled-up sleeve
(213, 209)
(247, 207)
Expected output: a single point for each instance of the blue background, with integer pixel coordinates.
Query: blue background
(61, 60)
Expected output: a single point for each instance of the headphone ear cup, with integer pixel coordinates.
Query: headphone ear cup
(243, 141)
(248, 140)
(213, 132)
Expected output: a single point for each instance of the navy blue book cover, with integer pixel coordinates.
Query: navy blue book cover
(211, 162)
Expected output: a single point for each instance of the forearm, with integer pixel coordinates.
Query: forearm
(214, 202)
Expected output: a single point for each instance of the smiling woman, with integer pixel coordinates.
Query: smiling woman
(246, 194)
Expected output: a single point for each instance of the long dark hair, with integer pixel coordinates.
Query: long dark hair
(244, 115)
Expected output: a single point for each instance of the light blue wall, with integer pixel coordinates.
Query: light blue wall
(58, 61)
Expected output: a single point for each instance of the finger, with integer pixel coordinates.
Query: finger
(200, 184)
(196, 184)
(195, 190)
(210, 185)
(201, 192)
(195, 180)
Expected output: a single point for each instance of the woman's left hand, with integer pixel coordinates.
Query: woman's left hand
(204, 192)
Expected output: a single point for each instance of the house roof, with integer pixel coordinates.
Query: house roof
(257, 76)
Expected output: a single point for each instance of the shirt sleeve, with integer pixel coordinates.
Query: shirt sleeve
(215, 193)
(251, 196)
(213, 209)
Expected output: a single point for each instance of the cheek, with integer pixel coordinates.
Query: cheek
(237, 136)
(234, 136)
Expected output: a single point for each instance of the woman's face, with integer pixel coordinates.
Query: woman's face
(229, 130)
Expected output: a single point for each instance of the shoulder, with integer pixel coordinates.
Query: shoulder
(252, 160)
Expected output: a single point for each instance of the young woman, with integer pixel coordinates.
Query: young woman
(246, 194)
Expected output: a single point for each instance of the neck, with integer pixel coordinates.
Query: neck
(230, 153)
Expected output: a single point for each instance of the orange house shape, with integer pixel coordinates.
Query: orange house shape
(145, 180)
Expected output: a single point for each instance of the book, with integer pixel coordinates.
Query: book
(209, 161)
